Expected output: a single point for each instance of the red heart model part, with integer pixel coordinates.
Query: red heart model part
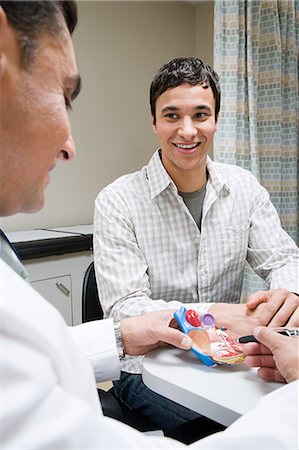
(192, 318)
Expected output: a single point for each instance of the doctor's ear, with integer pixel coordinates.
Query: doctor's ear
(3, 25)
(3, 19)
(9, 45)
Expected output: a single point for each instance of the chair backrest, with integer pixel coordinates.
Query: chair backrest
(91, 306)
(111, 405)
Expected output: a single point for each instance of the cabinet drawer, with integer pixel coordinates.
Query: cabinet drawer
(58, 292)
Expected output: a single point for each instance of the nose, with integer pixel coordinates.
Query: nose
(68, 151)
(187, 129)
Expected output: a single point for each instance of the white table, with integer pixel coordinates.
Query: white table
(221, 393)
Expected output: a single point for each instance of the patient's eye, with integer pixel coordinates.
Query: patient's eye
(172, 116)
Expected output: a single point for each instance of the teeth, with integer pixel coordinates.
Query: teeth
(186, 146)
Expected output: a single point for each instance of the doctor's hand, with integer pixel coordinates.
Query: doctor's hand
(155, 329)
(281, 307)
(277, 356)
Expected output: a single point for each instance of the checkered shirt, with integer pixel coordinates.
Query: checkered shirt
(150, 254)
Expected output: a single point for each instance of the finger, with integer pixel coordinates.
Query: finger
(269, 374)
(269, 338)
(294, 319)
(175, 337)
(257, 298)
(256, 349)
(260, 361)
(271, 308)
(284, 314)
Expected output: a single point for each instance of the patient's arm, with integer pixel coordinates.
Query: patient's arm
(236, 317)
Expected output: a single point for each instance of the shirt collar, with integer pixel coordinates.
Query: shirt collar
(9, 254)
(216, 179)
(159, 179)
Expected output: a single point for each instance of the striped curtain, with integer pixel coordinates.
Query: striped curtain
(256, 56)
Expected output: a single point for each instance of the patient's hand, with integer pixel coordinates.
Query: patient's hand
(237, 317)
(281, 307)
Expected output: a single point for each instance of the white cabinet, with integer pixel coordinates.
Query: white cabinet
(59, 279)
(58, 291)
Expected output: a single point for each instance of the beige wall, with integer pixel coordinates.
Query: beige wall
(119, 47)
(204, 31)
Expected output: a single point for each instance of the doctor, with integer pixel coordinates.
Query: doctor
(48, 393)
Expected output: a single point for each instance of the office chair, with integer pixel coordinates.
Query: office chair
(91, 306)
(111, 405)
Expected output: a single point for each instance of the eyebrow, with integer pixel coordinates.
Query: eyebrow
(197, 108)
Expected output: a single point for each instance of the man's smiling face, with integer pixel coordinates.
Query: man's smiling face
(185, 126)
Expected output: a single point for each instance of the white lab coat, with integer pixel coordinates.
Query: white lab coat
(48, 393)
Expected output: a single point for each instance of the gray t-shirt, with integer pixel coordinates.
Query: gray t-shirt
(194, 202)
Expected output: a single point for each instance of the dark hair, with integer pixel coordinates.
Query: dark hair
(33, 18)
(184, 70)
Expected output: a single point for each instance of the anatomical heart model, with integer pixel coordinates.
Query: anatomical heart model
(212, 345)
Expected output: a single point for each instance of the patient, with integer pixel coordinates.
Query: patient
(180, 230)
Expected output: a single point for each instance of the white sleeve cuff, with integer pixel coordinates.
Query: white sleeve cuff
(96, 341)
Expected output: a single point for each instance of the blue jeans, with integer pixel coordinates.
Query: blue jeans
(163, 412)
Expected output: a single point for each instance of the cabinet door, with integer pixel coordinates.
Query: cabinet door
(58, 292)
